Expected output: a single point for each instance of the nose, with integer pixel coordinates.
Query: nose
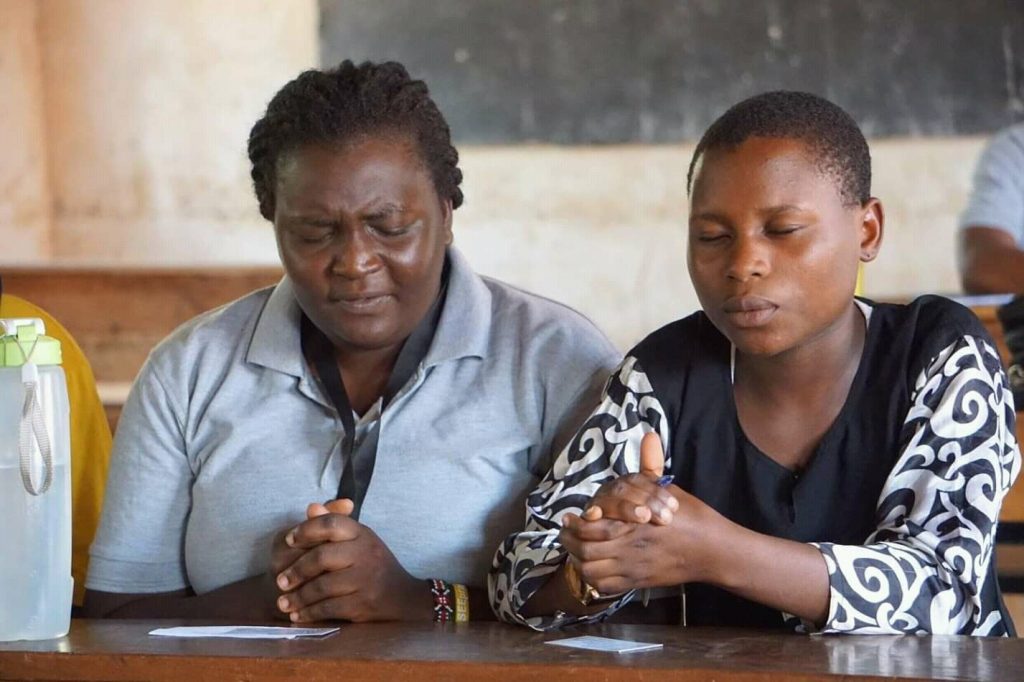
(355, 255)
(748, 258)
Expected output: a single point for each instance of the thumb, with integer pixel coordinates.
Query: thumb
(342, 506)
(652, 457)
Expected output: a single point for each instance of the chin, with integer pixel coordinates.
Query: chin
(369, 340)
(757, 342)
(364, 334)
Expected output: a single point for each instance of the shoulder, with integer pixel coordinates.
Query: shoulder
(666, 348)
(541, 322)
(216, 334)
(1009, 141)
(929, 317)
(926, 327)
(1002, 154)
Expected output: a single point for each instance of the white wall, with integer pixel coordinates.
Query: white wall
(25, 202)
(126, 121)
(603, 228)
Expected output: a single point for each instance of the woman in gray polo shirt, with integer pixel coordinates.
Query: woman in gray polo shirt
(381, 373)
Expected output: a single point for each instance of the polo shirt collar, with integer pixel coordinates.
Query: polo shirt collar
(462, 331)
(276, 340)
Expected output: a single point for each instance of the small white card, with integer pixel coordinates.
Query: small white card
(614, 646)
(244, 632)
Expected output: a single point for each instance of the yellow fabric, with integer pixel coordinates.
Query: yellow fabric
(90, 438)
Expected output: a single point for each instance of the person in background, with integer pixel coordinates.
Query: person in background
(90, 437)
(351, 443)
(991, 257)
(838, 464)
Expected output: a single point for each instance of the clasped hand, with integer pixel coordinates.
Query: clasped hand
(635, 534)
(331, 567)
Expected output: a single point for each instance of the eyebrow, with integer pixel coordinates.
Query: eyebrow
(785, 208)
(710, 216)
(767, 211)
(385, 210)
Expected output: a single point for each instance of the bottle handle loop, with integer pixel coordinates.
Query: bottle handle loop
(32, 426)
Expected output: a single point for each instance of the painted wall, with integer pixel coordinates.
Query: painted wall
(138, 111)
(125, 124)
(25, 202)
(603, 228)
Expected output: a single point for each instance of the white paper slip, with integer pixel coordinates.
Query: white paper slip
(614, 646)
(244, 632)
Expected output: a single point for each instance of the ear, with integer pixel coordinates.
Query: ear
(446, 210)
(871, 229)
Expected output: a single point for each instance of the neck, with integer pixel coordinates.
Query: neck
(823, 362)
(365, 373)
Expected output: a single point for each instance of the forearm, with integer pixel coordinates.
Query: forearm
(991, 263)
(782, 574)
(555, 595)
(245, 600)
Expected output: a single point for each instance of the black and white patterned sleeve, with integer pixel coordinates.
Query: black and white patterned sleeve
(605, 447)
(925, 568)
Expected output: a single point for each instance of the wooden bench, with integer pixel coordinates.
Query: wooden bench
(118, 315)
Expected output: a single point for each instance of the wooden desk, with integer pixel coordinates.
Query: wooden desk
(121, 650)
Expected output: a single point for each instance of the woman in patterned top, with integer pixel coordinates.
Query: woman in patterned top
(839, 465)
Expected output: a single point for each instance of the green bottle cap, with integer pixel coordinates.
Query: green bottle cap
(24, 340)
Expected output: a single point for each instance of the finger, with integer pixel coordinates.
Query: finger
(341, 506)
(281, 555)
(602, 530)
(652, 455)
(326, 528)
(591, 549)
(334, 608)
(316, 509)
(606, 576)
(637, 499)
(585, 551)
(324, 558)
(593, 513)
(326, 587)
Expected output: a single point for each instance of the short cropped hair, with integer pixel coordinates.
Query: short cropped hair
(830, 133)
(338, 105)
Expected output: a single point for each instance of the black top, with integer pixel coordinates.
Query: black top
(836, 497)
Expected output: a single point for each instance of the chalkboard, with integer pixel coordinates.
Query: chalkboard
(619, 71)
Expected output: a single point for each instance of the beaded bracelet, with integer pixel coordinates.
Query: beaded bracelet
(443, 603)
(451, 601)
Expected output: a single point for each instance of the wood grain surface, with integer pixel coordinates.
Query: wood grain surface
(122, 650)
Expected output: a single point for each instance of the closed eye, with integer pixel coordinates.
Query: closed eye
(392, 230)
(314, 232)
(784, 229)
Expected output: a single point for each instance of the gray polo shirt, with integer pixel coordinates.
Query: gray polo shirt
(226, 437)
(997, 197)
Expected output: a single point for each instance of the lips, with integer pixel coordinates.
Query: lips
(368, 302)
(749, 311)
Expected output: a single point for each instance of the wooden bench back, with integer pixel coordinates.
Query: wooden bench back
(118, 315)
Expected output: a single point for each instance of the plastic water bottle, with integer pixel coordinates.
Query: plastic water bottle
(35, 485)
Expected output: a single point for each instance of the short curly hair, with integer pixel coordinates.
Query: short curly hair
(337, 105)
(831, 134)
